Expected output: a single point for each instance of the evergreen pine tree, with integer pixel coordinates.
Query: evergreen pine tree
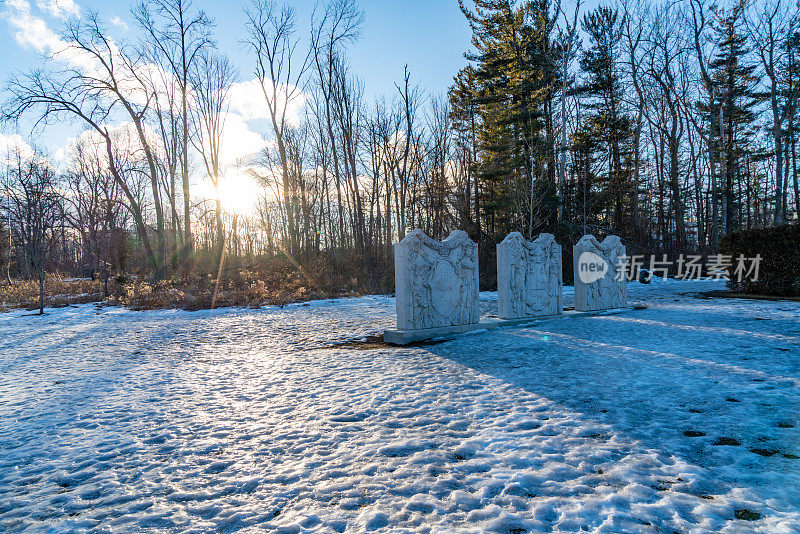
(463, 115)
(736, 99)
(606, 121)
(515, 79)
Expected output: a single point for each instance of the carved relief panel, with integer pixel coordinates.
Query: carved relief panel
(436, 282)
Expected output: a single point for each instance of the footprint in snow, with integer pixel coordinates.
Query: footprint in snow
(747, 515)
(764, 452)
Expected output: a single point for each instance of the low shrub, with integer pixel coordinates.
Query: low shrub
(779, 269)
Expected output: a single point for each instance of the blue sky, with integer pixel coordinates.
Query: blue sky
(429, 36)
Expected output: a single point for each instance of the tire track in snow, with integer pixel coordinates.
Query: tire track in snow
(697, 328)
(616, 351)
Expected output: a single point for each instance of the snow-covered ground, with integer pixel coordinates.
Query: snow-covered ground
(232, 419)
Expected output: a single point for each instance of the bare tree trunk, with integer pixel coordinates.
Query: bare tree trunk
(41, 286)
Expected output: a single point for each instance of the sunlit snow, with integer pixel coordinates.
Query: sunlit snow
(674, 417)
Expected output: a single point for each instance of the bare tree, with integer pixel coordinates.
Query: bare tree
(166, 114)
(280, 70)
(768, 32)
(405, 148)
(338, 25)
(36, 207)
(568, 40)
(634, 37)
(101, 80)
(663, 67)
(96, 208)
(212, 82)
(438, 168)
(177, 36)
(700, 25)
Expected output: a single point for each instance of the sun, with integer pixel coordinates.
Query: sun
(239, 193)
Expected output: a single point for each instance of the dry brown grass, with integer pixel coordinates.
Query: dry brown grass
(268, 281)
(59, 291)
(277, 283)
(192, 292)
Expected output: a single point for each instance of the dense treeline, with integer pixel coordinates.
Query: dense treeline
(669, 124)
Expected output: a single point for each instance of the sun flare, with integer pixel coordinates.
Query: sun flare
(239, 193)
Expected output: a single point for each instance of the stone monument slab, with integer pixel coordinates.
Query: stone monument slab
(529, 282)
(598, 286)
(436, 282)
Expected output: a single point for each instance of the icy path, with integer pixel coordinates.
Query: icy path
(243, 419)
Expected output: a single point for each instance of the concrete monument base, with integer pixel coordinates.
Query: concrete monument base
(404, 337)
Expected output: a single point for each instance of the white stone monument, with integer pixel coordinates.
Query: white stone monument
(528, 277)
(436, 285)
(599, 277)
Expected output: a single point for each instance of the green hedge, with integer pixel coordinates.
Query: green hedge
(779, 247)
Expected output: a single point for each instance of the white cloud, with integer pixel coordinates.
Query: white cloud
(247, 99)
(125, 142)
(60, 155)
(10, 145)
(32, 32)
(118, 22)
(59, 8)
(239, 142)
(14, 146)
